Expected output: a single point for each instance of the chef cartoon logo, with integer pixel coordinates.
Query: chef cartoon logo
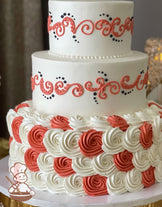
(19, 190)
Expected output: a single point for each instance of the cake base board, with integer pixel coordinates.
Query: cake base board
(144, 197)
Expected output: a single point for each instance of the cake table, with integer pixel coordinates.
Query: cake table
(144, 197)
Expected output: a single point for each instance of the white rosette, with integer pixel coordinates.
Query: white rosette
(153, 155)
(79, 123)
(25, 112)
(104, 164)
(9, 118)
(116, 183)
(24, 129)
(112, 140)
(160, 151)
(99, 123)
(131, 141)
(133, 180)
(45, 162)
(42, 119)
(140, 160)
(83, 166)
(17, 152)
(157, 130)
(158, 172)
(52, 142)
(55, 183)
(146, 115)
(20, 152)
(69, 143)
(132, 119)
(74, 185)
(38, 180)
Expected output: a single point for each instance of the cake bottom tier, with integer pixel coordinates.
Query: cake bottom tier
(87, 155)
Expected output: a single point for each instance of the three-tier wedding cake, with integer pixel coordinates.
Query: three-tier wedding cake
(88, 128)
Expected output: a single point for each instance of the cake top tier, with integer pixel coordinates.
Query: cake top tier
(90, 28)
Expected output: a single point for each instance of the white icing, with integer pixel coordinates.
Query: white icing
(159, 148)
(112, 140)
(42, 119)
(79, 123)
(55, 183)
(13, 149)
(9, 118)
(116, 183)
(24, 111)
(104, 164)
(153, 155)
(140, 160)
(157, 130)
(131, 140)
(69, 143)
(133, 180)
(74, 185)
(38, 180)
(158, 172)
(99, 123)
(45, 162)
(83, 166)
(51, 142)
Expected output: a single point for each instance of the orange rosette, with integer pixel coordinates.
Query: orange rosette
(35, 138)
(95, 185)
(60, 122)
(15, 127)
(148, 177)
(90, 143)
(10, 140)
(21, 106)
(30, 158)
(117, 121)
(62, 165)
(123, 161)
(146, 135)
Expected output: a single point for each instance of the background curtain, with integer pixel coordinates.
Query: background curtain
(22, 31)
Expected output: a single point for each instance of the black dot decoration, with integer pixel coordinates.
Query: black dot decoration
(95, 97)
(127, 93)
(132, 18)
(142, 72)
(104, 74)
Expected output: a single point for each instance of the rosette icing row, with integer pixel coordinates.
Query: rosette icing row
(87, 155)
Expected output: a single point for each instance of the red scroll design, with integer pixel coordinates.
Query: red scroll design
(104, 26)
(127, 26)
(114, 87)
(115, 27)
(61, 89)
(139, 84)
(46, 87)
(87, 27)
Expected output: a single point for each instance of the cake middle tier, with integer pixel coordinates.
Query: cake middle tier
(66, 86)
(90, 28)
